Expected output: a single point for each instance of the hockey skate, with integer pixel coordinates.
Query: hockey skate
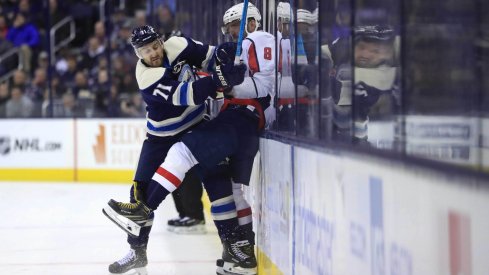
(238, 258)
(130, 217)
(171, 223)
(187, 225)
(135, 261)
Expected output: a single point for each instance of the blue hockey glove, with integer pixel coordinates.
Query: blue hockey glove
(225, 53)
(229, 75)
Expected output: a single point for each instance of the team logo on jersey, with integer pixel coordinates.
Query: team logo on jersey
(4, 145)
(178, 67)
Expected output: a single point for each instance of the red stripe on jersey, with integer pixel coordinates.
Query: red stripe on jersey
(244, 212)
(253, 59)
(168, 176)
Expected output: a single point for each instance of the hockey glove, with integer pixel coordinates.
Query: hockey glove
(225, 53)
(229, 75)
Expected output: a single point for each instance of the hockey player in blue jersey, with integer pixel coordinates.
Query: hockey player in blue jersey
(233, 134)
(173, 108)
(375, 75)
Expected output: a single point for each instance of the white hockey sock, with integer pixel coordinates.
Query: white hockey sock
(242, 206)
(171, 172)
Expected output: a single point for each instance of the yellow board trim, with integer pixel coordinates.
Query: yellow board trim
(265, 265)
(93, 175)
(82, 175)
(37, 174)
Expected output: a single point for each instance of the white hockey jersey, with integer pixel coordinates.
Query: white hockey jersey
(258, 53)
(286, 87)
(259, 56)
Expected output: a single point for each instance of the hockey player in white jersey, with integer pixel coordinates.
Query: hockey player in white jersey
(173, 108)
(233, 134)
(286, 97)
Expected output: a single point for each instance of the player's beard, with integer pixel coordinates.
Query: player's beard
(156, 62)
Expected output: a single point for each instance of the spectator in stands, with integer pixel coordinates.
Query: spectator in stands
(140, 18)
(93, 73)
(18, 105)
(24, 35)
(118, 72)
(99, 33)
(67, 72)
(166, 20)
(42, 60)
(35, 90)
(8, 8)
(121, 48)
(19, 78)
(113, 102)
(101, 91)
(69, 107)
(81, 88)
(3, 27)
(132, 105)
(4, 97)
(92, 53)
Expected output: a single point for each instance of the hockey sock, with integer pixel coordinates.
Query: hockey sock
(142, 239)
(224, 214)
(155, 194)
(242, 206)
(244, 212)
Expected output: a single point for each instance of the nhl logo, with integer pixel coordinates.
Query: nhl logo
(4, 145)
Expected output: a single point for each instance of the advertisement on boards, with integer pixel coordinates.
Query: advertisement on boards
(444, 138)
(33, 143)
(109, 144)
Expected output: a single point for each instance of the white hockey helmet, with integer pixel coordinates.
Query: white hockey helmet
(283, 12)
(234, 13)
(304, 16)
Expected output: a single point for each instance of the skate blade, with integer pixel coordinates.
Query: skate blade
(229, 268)
(137, 271)
(193, 230)
(124, 223)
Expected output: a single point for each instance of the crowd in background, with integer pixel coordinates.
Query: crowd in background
(92, 76)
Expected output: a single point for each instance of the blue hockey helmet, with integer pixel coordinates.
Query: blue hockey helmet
(379, 33)
(143, 35)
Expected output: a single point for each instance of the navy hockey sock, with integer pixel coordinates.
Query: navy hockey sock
(224, 215)
(142, 239)
(155, 194)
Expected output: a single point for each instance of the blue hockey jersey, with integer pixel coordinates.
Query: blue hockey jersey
(173, 106)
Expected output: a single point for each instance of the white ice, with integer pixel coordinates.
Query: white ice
(59, 228)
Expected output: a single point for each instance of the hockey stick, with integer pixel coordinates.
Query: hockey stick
(241, 32)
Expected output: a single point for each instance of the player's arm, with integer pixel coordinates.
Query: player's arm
(194, 52)
(160, 85)
(261, 70)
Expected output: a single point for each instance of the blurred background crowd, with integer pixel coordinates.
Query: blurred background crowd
(85, 44)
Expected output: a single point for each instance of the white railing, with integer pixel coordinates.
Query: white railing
(7, 54)
(52, 36)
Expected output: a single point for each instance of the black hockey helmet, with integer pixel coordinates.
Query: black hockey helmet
(374, 33)
(143, 35)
